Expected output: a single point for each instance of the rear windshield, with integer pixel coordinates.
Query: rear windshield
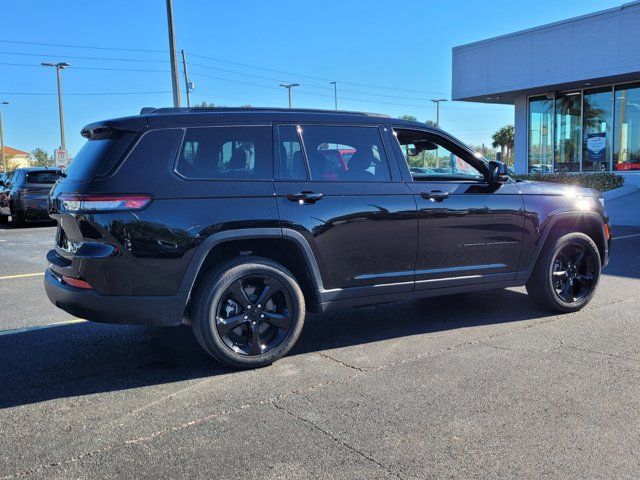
(43, 177)
(86, 163)
(100, 155)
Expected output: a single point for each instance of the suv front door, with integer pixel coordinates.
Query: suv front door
(470, 231)
(336, 188)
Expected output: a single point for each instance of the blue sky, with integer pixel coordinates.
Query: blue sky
(403, 46)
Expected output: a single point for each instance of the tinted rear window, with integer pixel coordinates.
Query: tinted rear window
(43, 177)
(233, 153)
(86, 163)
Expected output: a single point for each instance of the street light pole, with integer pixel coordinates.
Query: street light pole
(59, 66)
(335, 93)
(437, 102)
(4, 161)
(289, 86)
(172, 55)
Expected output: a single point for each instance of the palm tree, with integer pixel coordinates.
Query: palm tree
(503, 138)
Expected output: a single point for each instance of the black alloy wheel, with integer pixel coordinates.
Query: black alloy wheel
(566, 273)
(248, 312)
(254, 314)
(573, 273)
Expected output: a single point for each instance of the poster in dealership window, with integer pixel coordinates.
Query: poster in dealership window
(596, 147)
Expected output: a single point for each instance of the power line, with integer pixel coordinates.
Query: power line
(85, 58)
(83, 46)
(309, 76)
(83, 93)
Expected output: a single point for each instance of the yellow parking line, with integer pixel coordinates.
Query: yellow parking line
(41, 327)
(22, 275)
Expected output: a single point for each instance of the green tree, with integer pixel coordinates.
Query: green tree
(205, 104)
(40, 158)
(11, 164)
(503, 139)
(410, 118)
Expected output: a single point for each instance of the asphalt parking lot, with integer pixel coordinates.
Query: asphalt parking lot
(481, 385)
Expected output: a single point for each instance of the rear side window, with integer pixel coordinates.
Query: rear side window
(43, 177)
(227, 153)
(345, 153)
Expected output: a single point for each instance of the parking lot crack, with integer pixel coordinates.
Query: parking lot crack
(335, 439)
(344, 364)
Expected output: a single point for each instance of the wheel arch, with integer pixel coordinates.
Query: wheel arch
(285, 246)
(590, 223)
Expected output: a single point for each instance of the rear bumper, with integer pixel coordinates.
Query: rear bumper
(135, 310)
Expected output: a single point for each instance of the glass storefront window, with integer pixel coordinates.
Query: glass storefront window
(626, 152)
(597, 125)
(568, 132)
(540, 135)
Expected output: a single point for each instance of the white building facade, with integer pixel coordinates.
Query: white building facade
(575, 86)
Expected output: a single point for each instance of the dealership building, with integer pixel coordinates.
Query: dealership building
(575, 85)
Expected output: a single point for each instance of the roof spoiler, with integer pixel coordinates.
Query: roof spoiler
(147, 110)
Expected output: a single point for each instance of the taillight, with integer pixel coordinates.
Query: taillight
(76, 282)
(99, 202)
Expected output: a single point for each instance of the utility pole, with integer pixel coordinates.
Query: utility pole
(59, 67)
(335, 93)
(289, 86)
(437, 102)
(4, 161)
(172, 55)
(188, 85)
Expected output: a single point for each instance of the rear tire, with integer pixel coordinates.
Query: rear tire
(17, 219)
(248, 312)
(566, 274)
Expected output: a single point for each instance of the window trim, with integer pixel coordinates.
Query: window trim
(482, 163)
(214, 179)
(277, 176)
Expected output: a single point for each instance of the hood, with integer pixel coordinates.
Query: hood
(529, 187)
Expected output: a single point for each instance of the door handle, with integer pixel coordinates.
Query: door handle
(305, 197)
(435, 195)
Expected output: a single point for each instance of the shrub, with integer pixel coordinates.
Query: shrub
(600, 181)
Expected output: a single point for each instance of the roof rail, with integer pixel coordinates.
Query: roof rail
(148, 110)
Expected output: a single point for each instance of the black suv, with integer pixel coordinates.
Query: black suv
(238, 221)
(24, 193)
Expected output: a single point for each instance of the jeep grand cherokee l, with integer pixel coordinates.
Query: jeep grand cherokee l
(226, 219)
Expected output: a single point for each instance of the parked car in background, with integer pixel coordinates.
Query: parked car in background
(233, 221)
(25, 193)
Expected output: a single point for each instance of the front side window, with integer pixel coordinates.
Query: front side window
(429, 157)
(227, 153)
(345, 153)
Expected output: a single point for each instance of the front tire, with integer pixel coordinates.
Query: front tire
(248, 312)
(566, 274)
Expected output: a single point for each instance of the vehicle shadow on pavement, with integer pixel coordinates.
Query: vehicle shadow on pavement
(88, 358)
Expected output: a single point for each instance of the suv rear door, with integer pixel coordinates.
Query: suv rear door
(469, 231)
(359, 219)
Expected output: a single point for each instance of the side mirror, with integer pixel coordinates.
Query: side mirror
(498, 172)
